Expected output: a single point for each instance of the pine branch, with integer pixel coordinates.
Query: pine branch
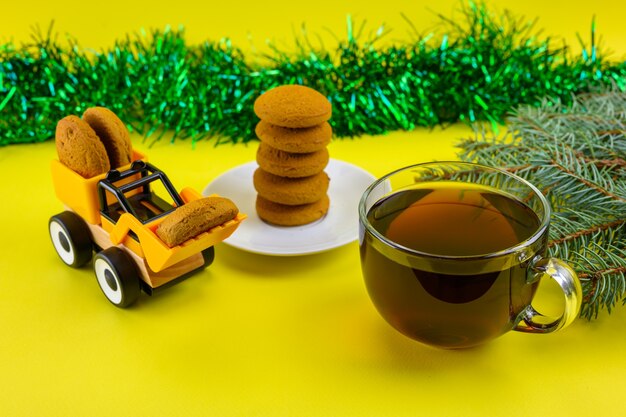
(591, 230)
(575, 154)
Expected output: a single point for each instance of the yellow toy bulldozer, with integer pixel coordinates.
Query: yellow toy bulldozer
(116, 215)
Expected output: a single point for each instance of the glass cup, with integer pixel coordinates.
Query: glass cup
(452, 254)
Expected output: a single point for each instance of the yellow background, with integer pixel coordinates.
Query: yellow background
(256, 335)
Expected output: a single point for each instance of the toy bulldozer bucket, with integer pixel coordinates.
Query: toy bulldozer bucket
(157, 254)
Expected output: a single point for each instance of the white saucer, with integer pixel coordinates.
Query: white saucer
(339, 227)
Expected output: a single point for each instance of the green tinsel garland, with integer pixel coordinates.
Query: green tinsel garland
(477, 70)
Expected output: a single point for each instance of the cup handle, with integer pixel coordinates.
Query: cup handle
(531, 320)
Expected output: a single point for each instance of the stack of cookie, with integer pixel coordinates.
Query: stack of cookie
(294, 132)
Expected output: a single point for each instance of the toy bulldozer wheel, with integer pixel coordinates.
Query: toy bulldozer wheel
(71, 238)
(209, 256)
(117, 276)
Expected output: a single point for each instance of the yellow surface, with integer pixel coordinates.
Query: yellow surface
(261, 336)
(250, 23)
(256, 335)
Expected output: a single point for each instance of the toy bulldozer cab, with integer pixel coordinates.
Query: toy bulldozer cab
(116, 214)
(141, 201)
